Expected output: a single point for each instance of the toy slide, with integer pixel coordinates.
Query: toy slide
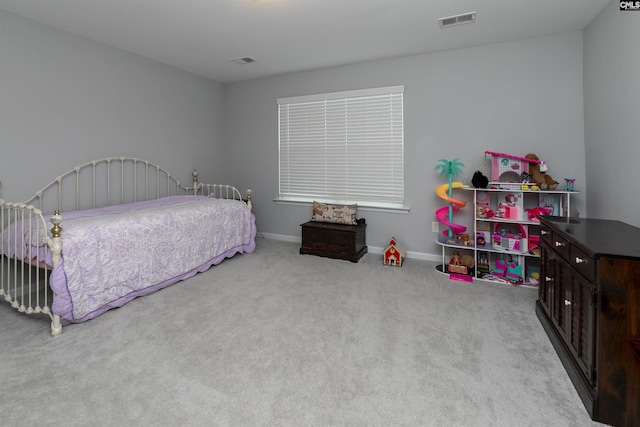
(443, 213)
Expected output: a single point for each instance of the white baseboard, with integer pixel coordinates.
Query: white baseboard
(283, 237)
(371, 249)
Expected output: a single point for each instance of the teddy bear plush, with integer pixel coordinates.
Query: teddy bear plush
(538, 174)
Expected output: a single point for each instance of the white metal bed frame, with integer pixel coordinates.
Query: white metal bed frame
(24, 279)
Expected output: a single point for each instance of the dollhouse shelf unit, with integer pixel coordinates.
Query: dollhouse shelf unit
(510, 237)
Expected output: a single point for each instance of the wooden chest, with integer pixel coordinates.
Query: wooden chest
(339, 241)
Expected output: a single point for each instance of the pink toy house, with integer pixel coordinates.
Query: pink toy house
(510, 240)
(508, 168)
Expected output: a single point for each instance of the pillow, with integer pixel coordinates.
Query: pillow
(339, 214)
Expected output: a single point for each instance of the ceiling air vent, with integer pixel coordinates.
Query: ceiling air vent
(245, 60)
(465, 18)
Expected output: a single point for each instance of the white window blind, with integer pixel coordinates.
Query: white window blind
(343, 147)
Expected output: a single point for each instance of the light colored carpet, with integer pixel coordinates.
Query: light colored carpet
(276, 338)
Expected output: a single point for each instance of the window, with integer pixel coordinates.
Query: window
(343, 147)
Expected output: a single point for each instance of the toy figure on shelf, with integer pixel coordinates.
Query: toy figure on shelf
(525, 180)
(461, 264)
(455, 264)
(537, 170)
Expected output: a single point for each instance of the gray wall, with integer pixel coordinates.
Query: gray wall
(612, 108)
(65, 100)
(517, 97)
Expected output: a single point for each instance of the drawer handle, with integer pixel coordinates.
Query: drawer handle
(558, 244)
(543, 232)
(567, 302)
(580, 261)
(548, 279)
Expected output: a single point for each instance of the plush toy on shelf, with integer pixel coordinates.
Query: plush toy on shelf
(479, 180)
(537, 171)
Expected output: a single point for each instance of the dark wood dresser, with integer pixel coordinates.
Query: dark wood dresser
(331, 240)
(589, 305)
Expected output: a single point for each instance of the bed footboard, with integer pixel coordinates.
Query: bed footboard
(220, 191)
(28, 252)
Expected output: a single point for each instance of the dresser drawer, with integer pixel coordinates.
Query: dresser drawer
(546, 235)
(561, 246)
(583, 263)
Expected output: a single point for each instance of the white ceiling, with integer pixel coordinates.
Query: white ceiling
(203, 36)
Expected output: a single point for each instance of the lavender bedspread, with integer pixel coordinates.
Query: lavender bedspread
(114, 255)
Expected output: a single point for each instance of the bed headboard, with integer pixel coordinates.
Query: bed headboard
(115, 181)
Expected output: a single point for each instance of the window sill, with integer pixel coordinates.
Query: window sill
(372, 207)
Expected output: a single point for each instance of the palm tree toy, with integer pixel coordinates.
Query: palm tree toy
(450, 168)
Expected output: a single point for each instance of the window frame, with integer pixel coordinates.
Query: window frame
(355, 112)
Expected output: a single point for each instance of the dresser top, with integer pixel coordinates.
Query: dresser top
(599, 236)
